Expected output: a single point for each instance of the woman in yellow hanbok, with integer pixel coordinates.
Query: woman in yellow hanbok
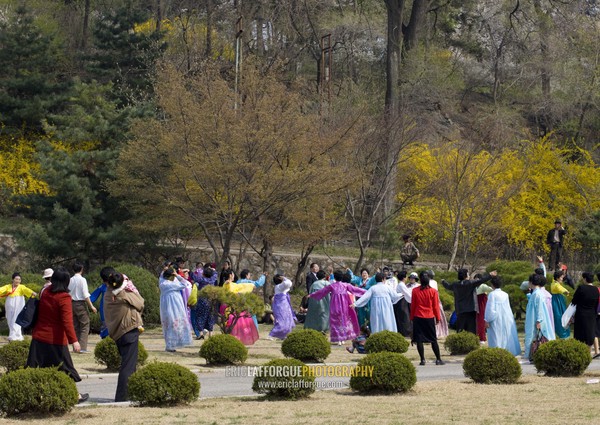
(245, 330)
(15, 294)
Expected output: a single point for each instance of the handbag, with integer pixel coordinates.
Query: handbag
(568, 315)
(28, 316)
(535, 344)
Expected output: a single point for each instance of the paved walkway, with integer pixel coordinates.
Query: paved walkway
(219, 383)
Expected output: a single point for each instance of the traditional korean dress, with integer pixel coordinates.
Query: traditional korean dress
(204, 316)
(317, 317)
(382, 298)
(537, 311)
(173, 313)
(559, 305)
(285, 317)
(502, 332)
(482, 292)
(15, 301)
(343, 323)
(245, 330)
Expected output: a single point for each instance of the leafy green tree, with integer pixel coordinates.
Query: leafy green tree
(31, 81)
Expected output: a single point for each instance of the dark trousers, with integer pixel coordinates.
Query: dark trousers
(128, 349)
(555, 255)
(467, 322)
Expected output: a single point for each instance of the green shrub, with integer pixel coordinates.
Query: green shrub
(518, 299)
(461, 343)
(163, 384)
(386, 341)
(14, 355)
(95, 323)
(223, 349)
(237, 305)
(492, 366)
(391, 373)
(284, 378)
(107, 354)
(145, 281)
(562, 357)
(306, 345)
(446, 298)
(36, 391)
(512, 272)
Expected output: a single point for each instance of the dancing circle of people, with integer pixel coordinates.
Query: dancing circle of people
(349, 308)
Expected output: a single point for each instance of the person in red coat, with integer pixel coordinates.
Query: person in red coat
(425, 313)
(53, 330)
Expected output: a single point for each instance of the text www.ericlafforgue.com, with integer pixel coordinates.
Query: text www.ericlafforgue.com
(324, 385)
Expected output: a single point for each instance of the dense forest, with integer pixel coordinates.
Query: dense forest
(132, 126)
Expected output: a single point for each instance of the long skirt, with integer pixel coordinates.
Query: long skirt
(441, 328)
(13, 307)
(204, 315)
(481, 304)
(424, 330)
(244, 329)
(284, 316)
(403, 322)
(585, 326)
(42, 354)
(559, 306)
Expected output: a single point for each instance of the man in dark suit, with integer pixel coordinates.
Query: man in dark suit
(464, 299)
(555, 241)
(311, 276)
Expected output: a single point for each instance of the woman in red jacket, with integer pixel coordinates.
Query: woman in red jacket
(425, 313)
(53, 330)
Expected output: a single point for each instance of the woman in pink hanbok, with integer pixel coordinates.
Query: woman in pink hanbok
(343, 323)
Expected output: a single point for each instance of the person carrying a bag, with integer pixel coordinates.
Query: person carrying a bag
(537, 316)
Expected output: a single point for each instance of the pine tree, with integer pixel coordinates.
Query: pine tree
(30, 82)
(125, 54)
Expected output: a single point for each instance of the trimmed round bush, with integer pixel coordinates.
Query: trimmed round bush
(392, 342)
(391, 373)
(562, 357)
(461, 343)
(14, 355)
(306, 345)
(163, 384)
(36, 391)
(492, 366)
(223, 349)
(107, 354)
(284, 379)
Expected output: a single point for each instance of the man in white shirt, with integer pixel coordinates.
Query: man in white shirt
(78, 288)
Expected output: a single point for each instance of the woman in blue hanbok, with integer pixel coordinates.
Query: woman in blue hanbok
(500, 321)
(382, 297)
(537, 316)
(173, 310)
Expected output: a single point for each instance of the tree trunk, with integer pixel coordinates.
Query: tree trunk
(266, 254)
(395, 10)
(417, 17)
(159, 16)
(209, 27)
(302, 265)
(455, 241)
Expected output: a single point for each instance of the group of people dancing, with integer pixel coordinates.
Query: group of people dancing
(342, 304)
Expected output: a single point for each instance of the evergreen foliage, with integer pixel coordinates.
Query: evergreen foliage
(306, 345)
(107, 354)
(284, 379)
(223, 349)
(389, 341)
(13, 355)
(391, 373)
(492, 366)
(37, 391)
(163, 384)
(562, 357)
(461, 343)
